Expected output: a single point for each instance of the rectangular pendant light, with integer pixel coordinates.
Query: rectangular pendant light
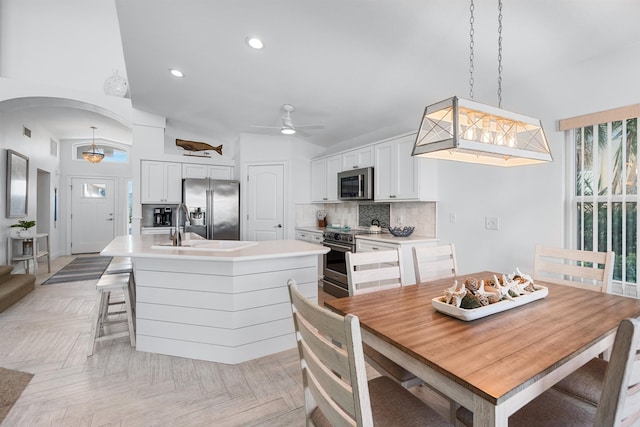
(467, 131)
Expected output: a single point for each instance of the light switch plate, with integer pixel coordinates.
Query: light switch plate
(492, 222)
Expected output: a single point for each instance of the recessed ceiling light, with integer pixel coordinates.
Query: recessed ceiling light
(255, 42)
(176, 73)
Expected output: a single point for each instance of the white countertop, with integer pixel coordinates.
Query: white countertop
(389, 238)
(141, 247)
(311, 228)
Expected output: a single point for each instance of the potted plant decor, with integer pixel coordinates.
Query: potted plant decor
(23, 229)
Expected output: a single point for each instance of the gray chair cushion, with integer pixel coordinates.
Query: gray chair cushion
(586, 382)
(551, 409)
(393, 405)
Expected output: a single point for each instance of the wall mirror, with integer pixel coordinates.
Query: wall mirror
(17, 184)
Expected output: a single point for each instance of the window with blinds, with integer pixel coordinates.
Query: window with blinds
(605, 196)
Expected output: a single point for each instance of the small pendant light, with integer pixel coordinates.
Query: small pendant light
(93, 155)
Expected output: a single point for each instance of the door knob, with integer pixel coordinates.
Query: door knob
(277, 226)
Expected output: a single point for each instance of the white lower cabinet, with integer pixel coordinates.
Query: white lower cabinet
(309, 236)
(367, 243)
(312, 237)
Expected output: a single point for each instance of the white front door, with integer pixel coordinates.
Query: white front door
(265, 202)
(92, 214)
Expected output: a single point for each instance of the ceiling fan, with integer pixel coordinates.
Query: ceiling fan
(288, 128)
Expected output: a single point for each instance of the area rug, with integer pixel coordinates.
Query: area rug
(12, 384)
(81, 268)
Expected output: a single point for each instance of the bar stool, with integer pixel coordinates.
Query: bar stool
(124, 265)
(107, 284)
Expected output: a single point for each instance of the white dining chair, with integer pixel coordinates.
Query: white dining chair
(336, 390)
(372, 272)
(434, 262)
(583, 269)
(587, 270)
(617, 406)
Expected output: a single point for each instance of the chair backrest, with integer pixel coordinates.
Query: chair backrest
(582, 269)
(333, 370)
(373, 271)
(620, 400)
(434, 262)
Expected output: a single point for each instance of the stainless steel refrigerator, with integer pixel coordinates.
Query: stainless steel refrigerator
(214, 207)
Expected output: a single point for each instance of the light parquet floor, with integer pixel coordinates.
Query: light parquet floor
(47, 332)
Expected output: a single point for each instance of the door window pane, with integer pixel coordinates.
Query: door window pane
(94, 190)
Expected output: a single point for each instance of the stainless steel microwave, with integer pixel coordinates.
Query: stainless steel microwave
(356, 184)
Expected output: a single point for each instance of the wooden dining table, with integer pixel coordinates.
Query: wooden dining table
(496, 364)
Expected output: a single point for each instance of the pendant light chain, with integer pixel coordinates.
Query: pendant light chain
(499, 53)
(471, 19)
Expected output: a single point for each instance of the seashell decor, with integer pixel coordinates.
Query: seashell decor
(474, 293)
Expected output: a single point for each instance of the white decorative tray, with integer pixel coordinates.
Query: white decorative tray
(467, 314)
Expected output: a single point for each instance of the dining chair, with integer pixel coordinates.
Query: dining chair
(619, 404)
(336, 390)
(587, 270)
(434, 262)
(373, 271)
(582, 269)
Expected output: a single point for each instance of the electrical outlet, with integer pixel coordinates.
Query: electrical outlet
(492, 222)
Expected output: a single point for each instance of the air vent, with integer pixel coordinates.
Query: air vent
(26, 131)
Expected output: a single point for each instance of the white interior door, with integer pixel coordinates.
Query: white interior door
(265, 202)
(92, 214)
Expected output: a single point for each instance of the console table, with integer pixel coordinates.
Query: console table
(37, 252)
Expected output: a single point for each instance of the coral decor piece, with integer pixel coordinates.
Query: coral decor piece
(198, 146)
(474, 293)
(474, 299)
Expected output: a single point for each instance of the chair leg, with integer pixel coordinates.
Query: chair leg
(96, 324)
(127, 303)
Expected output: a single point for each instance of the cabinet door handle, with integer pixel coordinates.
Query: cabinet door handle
(374, 248)
(355, 166)
(109, 219)
(277, 226)
(392, 196)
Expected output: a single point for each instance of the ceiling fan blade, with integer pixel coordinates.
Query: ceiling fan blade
(310, 126)
(264, 127)
(301, 132)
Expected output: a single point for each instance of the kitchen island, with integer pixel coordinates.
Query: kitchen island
(223, 302)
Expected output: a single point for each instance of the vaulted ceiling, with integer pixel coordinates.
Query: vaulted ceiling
(362, 68)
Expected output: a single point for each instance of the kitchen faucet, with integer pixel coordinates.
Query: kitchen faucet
(177, 237)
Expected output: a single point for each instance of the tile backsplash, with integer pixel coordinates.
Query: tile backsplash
(421, 215)
(368, 212)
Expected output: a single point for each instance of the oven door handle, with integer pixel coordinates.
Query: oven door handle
(336, 246)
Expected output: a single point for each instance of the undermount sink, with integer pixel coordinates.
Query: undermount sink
(207, 245)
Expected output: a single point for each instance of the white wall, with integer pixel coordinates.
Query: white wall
(72, 44)
(37, 148)
(530, 201)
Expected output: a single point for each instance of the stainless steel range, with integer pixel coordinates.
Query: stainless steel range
(335, 262)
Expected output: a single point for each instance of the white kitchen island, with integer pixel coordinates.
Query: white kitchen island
(228, 305)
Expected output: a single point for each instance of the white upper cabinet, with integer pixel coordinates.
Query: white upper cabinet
(324, 179)
(160, 182)
(190, 170)
(401, 177)
(358, 158)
